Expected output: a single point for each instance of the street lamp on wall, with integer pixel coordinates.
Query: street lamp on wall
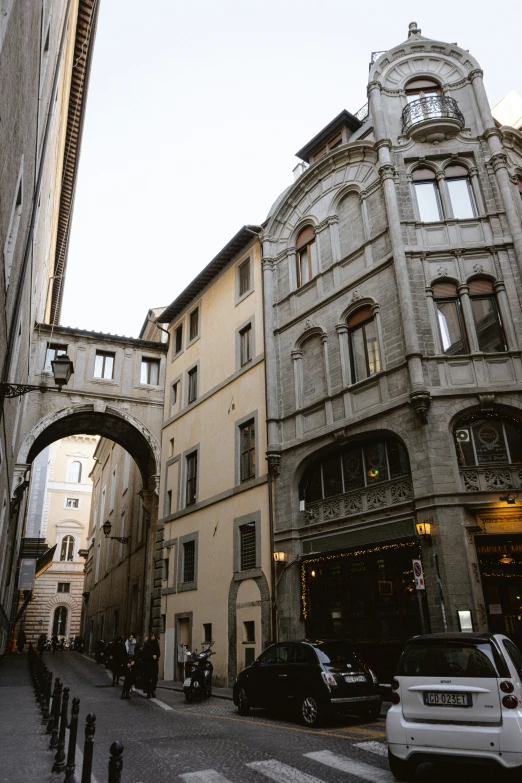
(62, 371)
(423, 530)
(107, 527)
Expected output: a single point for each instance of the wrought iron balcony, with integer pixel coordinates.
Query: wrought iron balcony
(437, 113)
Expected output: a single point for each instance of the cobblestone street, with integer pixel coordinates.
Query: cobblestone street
(167, 740)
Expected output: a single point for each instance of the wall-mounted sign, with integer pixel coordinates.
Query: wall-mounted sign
(418, 573)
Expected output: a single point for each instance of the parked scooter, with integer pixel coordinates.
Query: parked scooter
(198, 674)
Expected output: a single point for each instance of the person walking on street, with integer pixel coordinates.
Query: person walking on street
(20, 642)
(118, 656)
(40, 645)
(151, 654)
(54, 642)
(130, 674)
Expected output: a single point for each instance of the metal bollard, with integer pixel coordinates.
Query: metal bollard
(90, 728)
(57, 707)
(71, 751)
(115, 762)
(47, 702)
(51, 706)
(59, 759)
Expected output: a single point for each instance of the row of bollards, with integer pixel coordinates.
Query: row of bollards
(54, 705)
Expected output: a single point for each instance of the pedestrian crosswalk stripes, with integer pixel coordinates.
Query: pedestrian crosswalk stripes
(357, 768)
(284, 773)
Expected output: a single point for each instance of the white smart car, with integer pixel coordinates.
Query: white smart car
(456, 697)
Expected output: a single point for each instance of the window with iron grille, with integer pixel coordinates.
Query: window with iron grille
(192, 478)
(247, 437)
(189, 561)
(247, 544)
(194, 324)
(245, 343)
(244, 277)
(193, 385)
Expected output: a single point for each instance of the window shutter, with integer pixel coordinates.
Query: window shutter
(480, 287)
(306, 236)
(444, 290)
(363, 314)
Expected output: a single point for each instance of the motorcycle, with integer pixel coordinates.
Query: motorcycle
(198, 674)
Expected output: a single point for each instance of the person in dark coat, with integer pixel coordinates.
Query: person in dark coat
(151, 654)
(40, 645)
(20, 642)
(118, 660)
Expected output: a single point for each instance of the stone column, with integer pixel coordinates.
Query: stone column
(447, 206)
(419, 394)
(477, 191)
(272, 411)
(376, 312)
(297, 364)
(151, 573)
(333, 223)
(467, 313)
(344, 350)
(499, 162)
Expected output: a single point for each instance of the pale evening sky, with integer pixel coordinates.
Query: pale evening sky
(195, 111)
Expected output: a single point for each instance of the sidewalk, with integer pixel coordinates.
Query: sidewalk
(23, 741)
(218, 693)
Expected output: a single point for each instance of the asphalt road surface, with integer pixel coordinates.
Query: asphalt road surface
(168, 741)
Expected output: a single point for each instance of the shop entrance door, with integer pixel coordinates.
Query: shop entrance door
(500, 563)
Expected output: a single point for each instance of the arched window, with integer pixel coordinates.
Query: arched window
(306, 256)
(421, 88)
(450, 323)
(488, 326)
(67, 550)
(60, 621)
(364, 346)
(460, 192)
(75, 472)
(488, 439)
(354, 467)
(427, 195)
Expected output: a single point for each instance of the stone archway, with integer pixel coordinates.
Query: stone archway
(264, 592)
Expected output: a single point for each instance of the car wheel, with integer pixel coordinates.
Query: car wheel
(243, 705)
(401, 769)
(311, 712)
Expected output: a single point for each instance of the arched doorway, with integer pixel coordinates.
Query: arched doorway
(60, 618)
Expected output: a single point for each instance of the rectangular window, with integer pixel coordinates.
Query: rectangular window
(174, 394)
(245, 344)
(168, 509)
(247, 546)
(487, 325)
(192, 478)
(249, 631)
(165, 574)
(104, 365)
(247, 437)
(189, 561)
(178, 339)
(244, 277)
(304, 264)
(72, 503)
(150, 372)
(461, 196)
(171, 447)
(64, 587)
(366, 359)
(207, 633)
(428, 202)
(193, 385)
(194, 324)
(451, 328)
(53, 350)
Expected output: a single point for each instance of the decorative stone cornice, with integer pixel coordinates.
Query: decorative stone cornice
(268, 264)
(498, 161)
(387, 171)
(383, 143)
(421, 401)
(476, 73)
(274, 462)
(375, 85)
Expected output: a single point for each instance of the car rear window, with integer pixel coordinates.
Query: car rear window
(448, 659)
(338, 655)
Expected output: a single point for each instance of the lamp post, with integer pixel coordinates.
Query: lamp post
(62, 371)
(107, 527)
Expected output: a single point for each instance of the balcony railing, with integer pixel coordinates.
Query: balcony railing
(491, 478)
(431, 108)
(363, 113)
(360, 501)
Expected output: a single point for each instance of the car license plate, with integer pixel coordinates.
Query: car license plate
(448, 699)
(187, 682)
(354, 678)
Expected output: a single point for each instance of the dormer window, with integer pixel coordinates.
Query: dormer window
(306, 256)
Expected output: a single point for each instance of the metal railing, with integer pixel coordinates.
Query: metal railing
(433, 107)
(363, 113)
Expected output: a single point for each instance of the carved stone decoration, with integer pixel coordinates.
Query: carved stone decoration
(478, 268)
(442, 271)
(498, 478)
(353, 504)
(401, 491)
(375, 498)
(482, 614)
(309, 324)
(486, 401)
(356, 296)
(476, 574)
(274, 462)
(311, 515)
(421, 402)
(471, 480)
(331, 509)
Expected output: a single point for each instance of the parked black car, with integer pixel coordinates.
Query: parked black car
(311, 678)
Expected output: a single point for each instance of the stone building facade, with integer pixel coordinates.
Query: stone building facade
(216, 551)
(45, 54)
(393, 328)
(59, 511)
